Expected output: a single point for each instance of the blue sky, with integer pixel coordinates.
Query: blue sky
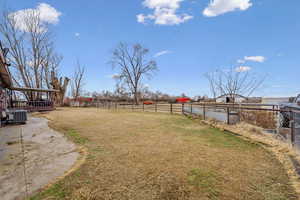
(197, 36)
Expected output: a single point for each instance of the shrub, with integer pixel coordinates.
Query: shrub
(264, 119)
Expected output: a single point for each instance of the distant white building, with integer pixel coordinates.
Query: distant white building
(227, 98)
(275, 100)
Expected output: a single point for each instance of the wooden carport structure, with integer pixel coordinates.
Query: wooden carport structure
(45, 104)
(7, 89)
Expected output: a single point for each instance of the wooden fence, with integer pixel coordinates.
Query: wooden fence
(264, 115)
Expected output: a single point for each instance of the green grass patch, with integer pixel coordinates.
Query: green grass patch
(179, 121)
(220, 138)
(205, 180)
(212, 136)
(54, 192)
(216, 138)
(76, 137)
(98, 149)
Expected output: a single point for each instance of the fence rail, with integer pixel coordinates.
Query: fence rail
(229, 113)
(32, 106)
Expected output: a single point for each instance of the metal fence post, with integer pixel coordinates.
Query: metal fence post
(292, 121)
(228, 116)
(155, 106)
(192, 108)
(171, 108)
(204, 117)
(182, 108)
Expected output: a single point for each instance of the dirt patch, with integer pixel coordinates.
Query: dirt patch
(48, 155)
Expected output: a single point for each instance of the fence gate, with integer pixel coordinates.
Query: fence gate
(296, 128)
(289, 126)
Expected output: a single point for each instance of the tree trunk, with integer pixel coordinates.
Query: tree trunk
(61, 86)
(136, 98)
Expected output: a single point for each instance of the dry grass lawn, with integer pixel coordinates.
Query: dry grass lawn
(152, 156)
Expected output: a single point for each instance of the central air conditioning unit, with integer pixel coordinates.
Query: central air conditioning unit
(17, 116)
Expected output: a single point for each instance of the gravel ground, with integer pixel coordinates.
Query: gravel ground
(48, 155)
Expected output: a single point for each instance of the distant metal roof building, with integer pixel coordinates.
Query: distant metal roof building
(229, 98)
(276, 100)
(235, 95)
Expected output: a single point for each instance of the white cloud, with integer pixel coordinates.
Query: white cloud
(260, 59)
(47, 14)
(241, 61)
(219, 7)
(165, 12)
(77, 34)
(141, 18)
(162, 53)
(243, 69)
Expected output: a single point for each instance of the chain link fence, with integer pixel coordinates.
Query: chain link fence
(289, 125)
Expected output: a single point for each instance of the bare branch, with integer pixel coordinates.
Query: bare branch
(231, 82)
(78, 81)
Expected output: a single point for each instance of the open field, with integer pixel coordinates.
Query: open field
(143, 156)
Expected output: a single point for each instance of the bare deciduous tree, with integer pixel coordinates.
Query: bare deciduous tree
(133, 67)
(78, 81)
(32, 55)
(231, 82)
